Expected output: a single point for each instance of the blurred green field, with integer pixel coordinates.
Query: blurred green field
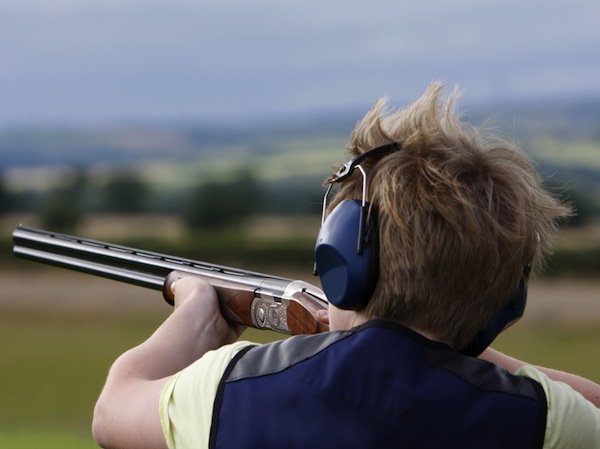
(569, 348)
(54, 365)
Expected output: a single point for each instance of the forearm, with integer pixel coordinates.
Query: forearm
(195, 327)
(179, 341)
(127, 412)
(589, 389)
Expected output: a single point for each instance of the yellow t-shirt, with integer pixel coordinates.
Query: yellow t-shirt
(187, 402)
(573, 421)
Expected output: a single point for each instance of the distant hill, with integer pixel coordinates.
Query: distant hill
(34, 147)
(562, 136)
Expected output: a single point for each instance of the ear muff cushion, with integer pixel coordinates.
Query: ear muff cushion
(347, 278)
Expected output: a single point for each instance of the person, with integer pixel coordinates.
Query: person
(451, 220)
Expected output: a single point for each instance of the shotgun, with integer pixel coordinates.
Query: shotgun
(254, 299)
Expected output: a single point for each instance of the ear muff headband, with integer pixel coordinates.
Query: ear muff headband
(349, 166)
(344, 172)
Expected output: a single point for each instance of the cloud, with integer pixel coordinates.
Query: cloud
(67, 60)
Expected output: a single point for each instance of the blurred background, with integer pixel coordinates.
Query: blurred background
(204, 129)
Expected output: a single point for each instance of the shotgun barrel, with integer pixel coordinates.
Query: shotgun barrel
(246, 297)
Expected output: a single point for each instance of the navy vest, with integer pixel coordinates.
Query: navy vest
(376, 386)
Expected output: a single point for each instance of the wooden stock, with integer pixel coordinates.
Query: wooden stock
(301, 315)
(235, 302)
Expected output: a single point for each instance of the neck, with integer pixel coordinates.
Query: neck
(339, 319)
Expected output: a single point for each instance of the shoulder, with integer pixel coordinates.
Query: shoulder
(191, 393)
(572, 420)
(208, 370)
(277, 356)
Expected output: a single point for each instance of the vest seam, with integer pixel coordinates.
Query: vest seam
(275, 357)
(543, 414)
(219, 396)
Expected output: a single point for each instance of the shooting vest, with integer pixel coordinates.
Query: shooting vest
(376, 386)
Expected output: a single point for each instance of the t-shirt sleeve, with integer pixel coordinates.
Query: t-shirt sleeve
(573, 421)
(186, 402)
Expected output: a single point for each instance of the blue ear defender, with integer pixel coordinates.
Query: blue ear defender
(504, 318)
(346, 252)
(346, 256)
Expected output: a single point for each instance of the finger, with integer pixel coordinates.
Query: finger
(323, 316)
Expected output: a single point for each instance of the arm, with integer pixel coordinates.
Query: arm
(127, 412)
(590, 390)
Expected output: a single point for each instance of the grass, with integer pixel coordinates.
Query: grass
(58, 365)
(54, 365)
(571, 349)
(22, 438)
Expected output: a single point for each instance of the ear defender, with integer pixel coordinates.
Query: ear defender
(508, 315)
(346, 256)
(346, 252)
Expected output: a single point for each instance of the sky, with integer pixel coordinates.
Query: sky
(118, 61)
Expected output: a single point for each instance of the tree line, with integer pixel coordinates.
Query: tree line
(212, 204)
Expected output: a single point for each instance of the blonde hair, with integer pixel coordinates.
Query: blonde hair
(460, 215)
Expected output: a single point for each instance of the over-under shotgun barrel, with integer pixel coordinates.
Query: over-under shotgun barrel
(254, 299)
